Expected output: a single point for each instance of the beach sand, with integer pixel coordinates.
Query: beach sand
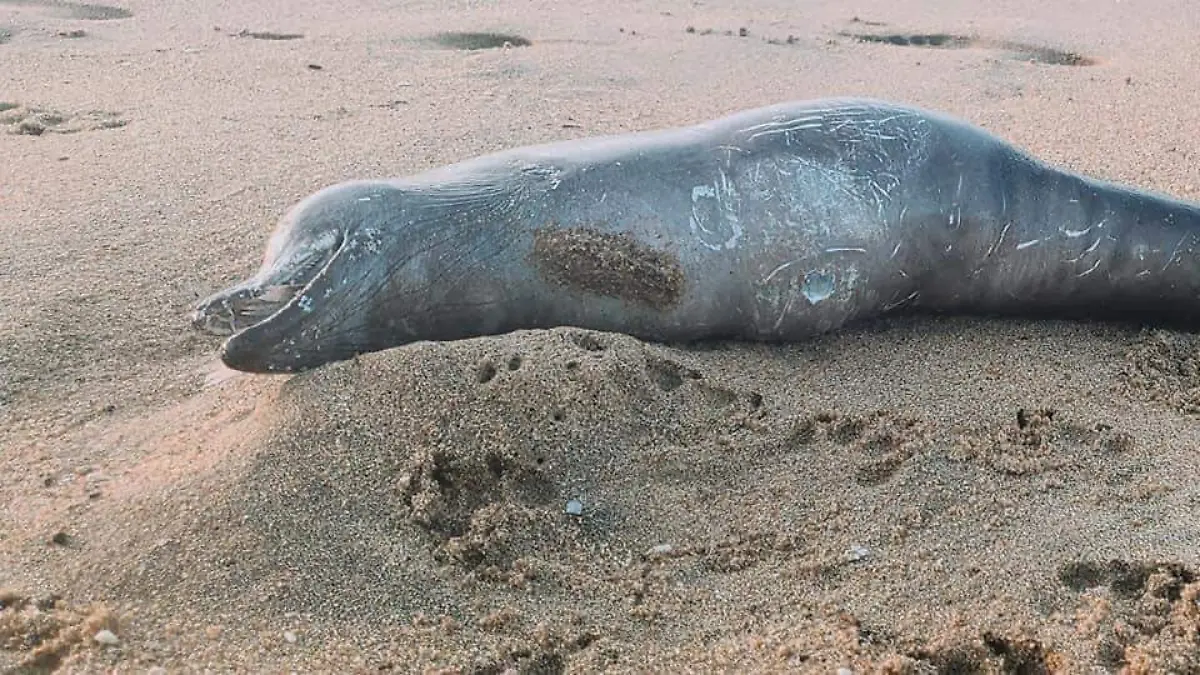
(916, 495)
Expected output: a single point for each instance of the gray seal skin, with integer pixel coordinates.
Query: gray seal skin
(773, 224)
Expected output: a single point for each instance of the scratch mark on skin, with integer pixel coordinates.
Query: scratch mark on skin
(785, 127)
(718, 193)
(894, 305)
(1175, 253)
(1090, 269)
(999, 239)
(779, 269)
(1026, 244)
(845, 250)
(1089, 249)
(1075, 234)
(895, 251)
(881, 194)
(787, 307)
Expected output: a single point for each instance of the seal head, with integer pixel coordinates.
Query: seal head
(355, 268)
(269, 318)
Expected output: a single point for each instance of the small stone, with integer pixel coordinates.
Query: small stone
(213, 632)
(107, 638)
(574, 508)
(30, 128)
(845, 671)
(857, 553)
(659, 550)
(48, 602)
(60, 538)
(289, 636)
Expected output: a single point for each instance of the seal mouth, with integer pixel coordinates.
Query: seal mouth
(319, 322)
(264, 295)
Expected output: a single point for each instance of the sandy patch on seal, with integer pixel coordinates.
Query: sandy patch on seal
(611, 265)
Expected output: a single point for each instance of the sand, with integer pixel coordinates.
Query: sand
(917, 495)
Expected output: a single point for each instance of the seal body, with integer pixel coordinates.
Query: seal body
(773, 224)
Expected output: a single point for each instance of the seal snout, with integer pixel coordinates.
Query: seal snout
(231, 311)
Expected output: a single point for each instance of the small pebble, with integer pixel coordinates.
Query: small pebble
(107, 638)
(30, 128)
(289, 636)
(857, 553)
(574, 508)
(660, 549)
(845, 671)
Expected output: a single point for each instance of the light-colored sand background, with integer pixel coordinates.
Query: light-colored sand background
(865, 501)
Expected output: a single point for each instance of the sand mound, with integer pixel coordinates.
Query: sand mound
(571, 500)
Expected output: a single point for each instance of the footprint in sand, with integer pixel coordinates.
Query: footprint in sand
(31, 121)
(266, 35)
(1018, 50)
(476, 41)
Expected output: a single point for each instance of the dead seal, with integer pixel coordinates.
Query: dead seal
(772, 224)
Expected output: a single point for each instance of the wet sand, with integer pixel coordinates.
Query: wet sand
(914, 495)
